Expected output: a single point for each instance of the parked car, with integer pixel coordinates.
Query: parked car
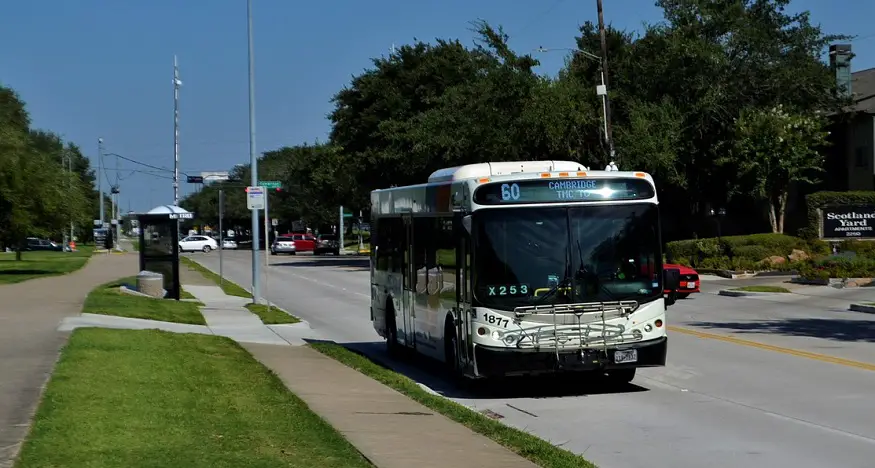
(327, 243)
(284, 244)
(303, 242)
(34, 243)
(229, 244)
(689, 280)
(195, 243)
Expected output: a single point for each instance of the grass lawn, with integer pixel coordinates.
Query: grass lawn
(272, 317)
(230, 288)
(151, 398)
(41, 264)
(108, 300)
(763, 289)
(537, 450)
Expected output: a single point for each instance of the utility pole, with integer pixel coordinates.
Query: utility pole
(70, 189)
(118, 209)
(253, 159)
(100, 177)
(176, 84)
(607, 100)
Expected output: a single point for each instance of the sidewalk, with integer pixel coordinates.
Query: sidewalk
(388, 428)
(30, 342)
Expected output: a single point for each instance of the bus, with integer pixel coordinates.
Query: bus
(523, 268)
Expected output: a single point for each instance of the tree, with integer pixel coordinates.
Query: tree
(38, 195)
(774, 149)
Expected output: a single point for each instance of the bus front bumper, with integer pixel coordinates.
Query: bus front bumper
(504, 362)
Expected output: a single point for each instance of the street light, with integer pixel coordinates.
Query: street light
(601, 90)
(718, 215)
(253, 159)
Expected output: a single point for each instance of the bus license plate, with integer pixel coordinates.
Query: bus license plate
(630, 355)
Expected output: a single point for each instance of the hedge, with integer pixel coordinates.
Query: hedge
(738, 252)
(836, 267)
(819, 200)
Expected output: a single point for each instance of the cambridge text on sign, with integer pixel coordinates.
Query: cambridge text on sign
(849, 221)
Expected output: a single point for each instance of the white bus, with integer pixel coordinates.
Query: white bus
(522, 268)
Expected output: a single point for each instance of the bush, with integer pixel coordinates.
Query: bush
(838, 267)
(735, 252)
(861, 248)
(818, 200)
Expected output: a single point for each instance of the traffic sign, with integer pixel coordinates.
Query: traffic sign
(195, 179)
(275, 222)
(347, 215)
(270, 184)
(255, 198)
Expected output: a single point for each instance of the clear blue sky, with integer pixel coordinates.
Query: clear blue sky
(103, 68)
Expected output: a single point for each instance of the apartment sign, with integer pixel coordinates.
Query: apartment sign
(848, 222)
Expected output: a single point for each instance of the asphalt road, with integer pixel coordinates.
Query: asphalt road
(792, 385)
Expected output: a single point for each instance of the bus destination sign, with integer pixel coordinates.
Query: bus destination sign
(563, 190)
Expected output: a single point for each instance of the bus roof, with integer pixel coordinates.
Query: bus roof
(491, 169)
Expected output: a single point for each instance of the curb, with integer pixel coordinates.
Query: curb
(866, 309)
(731, 293)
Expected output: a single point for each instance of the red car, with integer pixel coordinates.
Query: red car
(689, 280)
(303, 242)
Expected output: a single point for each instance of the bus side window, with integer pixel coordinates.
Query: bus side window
(423, 246)
(445, 256)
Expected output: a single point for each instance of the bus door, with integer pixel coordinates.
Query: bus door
(463, 303)
(409, 282)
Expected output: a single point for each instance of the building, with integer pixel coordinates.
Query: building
(851, 160)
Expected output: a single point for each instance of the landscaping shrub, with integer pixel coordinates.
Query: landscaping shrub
(838, 267)
(864, 249)
(735, 252)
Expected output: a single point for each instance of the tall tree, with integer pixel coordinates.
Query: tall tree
(774, 149)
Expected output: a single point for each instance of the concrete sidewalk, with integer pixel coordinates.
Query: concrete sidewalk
(388, 428)
(30, 343)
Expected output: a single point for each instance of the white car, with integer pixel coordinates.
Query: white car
(195, 243)
(229, 244)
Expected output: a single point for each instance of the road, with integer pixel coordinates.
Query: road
(792, 386)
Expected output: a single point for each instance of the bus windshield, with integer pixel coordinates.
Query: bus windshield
(563, 255)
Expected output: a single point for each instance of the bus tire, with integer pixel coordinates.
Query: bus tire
(450, 339)
(391, 331)
(621, 375)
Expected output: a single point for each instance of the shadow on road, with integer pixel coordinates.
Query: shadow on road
(831, 329)
(431, 373)
(358, 264)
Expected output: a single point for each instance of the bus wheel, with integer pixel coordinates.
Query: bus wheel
(621, 375)
(450, 339)
(391, 331)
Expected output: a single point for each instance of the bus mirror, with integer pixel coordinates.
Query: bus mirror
(671, 283)
(466, 223)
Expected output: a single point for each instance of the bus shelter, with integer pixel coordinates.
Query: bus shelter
(159, 244)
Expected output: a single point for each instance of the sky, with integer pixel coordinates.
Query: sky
(94, 69)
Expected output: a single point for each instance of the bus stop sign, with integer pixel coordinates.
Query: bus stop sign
(255, 198)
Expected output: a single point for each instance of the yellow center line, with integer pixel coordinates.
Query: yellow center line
(777, 349)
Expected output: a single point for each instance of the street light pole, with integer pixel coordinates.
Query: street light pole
(100, 177)
(600, 90)
(253, 160)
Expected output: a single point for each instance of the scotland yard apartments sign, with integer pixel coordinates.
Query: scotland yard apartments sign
(848, 222)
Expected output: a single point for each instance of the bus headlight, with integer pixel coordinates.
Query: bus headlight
(496, 335)
(509, 339)
(648, 327)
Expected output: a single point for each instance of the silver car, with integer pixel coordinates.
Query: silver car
(284, 245)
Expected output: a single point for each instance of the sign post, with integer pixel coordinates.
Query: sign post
(265, 185)
(221, 238)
